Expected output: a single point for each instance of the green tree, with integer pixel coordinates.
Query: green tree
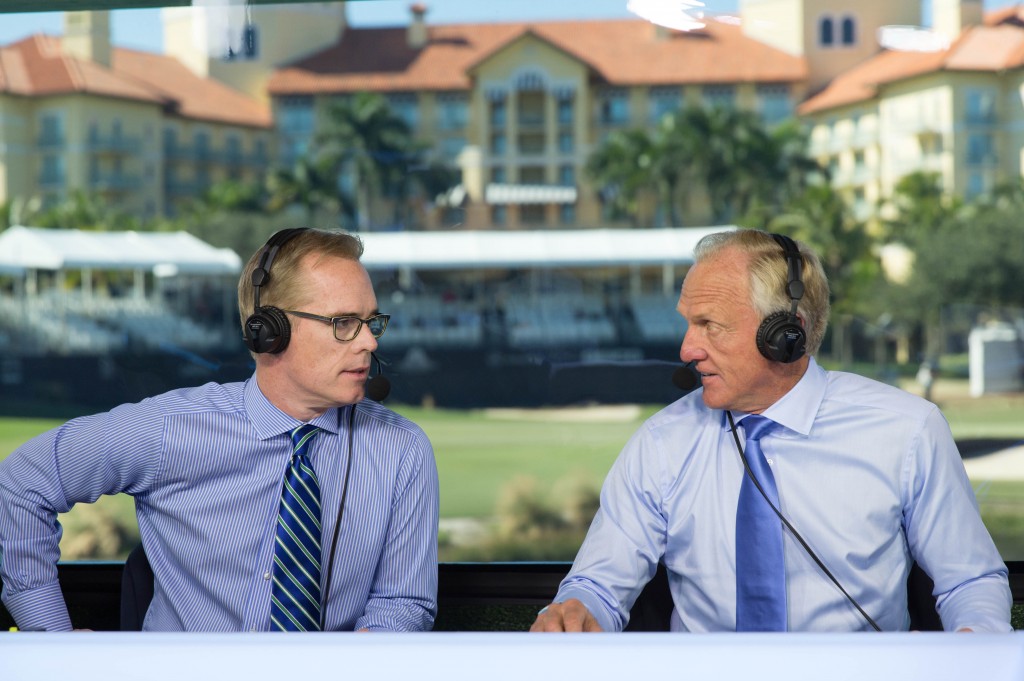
(918, 207)
(86, 212)
(370, 148)
(310, 184)
(622, 167)
(236, 195)
(745, 168)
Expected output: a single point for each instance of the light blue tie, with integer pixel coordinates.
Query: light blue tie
(760, 567)
(295, 595)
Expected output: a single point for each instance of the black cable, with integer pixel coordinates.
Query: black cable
(341, 510)
(789, 526)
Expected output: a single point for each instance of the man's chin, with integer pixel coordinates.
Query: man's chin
(714, 401)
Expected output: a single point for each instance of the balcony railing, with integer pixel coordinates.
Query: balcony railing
(113, 144)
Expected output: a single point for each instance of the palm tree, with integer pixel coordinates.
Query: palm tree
(236, 195)
(622, 168)
(308, 184)
(370, 148)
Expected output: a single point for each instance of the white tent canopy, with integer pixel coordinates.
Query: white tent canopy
(164, 253)
(532, 249)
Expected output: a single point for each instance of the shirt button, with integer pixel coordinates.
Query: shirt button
(266, 576)
(771, 462)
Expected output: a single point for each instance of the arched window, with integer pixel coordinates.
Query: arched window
(849, 30)
(826, 31)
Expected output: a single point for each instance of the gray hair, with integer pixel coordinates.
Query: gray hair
(769, 274)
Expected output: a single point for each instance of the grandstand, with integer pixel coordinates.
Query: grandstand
(533, 291)
(512, 318)
(66, 292)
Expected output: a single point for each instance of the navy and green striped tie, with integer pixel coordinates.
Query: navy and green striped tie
(295, 597)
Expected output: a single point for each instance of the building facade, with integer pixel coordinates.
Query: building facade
(953, 109)
(137, 130)
(514, 109)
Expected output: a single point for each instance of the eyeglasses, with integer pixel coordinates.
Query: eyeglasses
(347, 328)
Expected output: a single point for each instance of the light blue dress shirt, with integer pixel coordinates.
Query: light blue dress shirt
(867, 473)
(205, 466)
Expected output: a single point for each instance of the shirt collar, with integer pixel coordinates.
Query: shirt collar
(268, 421)
(796, 409)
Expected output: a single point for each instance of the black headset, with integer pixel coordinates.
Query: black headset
(781, 336)
(267, 328)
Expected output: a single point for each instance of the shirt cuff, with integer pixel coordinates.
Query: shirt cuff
(40, 609)
(593, 603)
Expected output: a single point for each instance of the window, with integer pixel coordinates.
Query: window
(453, 111)
(976, 185)
(567, 176)
(499, 114)
(980, 105)
(980, 149)
(530, 109)
(613, 107)
(296, 121)
(51, 129)
(566, 142)
(826, 28)
(406, 107)
(663, 101)
(531, 175)
(849, 31)
(774, 103)
(499, 215)
(567, 214)
(532, 214)
(719, 96)
(53, 174)
(499, 143)
(566, 110)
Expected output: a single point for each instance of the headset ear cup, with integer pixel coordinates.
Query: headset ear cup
(781, 338)
(267, 331)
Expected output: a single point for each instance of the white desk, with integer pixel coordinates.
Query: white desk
(109, 656)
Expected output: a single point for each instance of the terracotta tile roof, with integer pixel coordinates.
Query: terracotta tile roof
(188, 94)
(36, 66)
(979, 48)
(620, 52)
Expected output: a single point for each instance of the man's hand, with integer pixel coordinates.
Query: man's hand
(569, 616)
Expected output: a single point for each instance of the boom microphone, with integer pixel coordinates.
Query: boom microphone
(686, 377)
(378, 387)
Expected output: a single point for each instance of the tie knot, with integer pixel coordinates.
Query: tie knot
(301, 437)
(757, 426)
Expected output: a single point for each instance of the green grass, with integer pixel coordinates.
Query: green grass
(478, 454)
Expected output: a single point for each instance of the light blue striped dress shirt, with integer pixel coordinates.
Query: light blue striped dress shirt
(867, 473)
(205, 466)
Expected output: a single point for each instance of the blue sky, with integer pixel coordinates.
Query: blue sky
(139, 28)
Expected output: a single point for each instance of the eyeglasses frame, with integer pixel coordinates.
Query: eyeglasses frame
(333, 321)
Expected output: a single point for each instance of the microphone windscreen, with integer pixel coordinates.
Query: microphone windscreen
(378, 388)
(686, 377)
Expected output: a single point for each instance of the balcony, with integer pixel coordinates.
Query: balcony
(179, 188)
(51, 141)
(113, 144)
(52, 180)
(534, 144)
(188, 154)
